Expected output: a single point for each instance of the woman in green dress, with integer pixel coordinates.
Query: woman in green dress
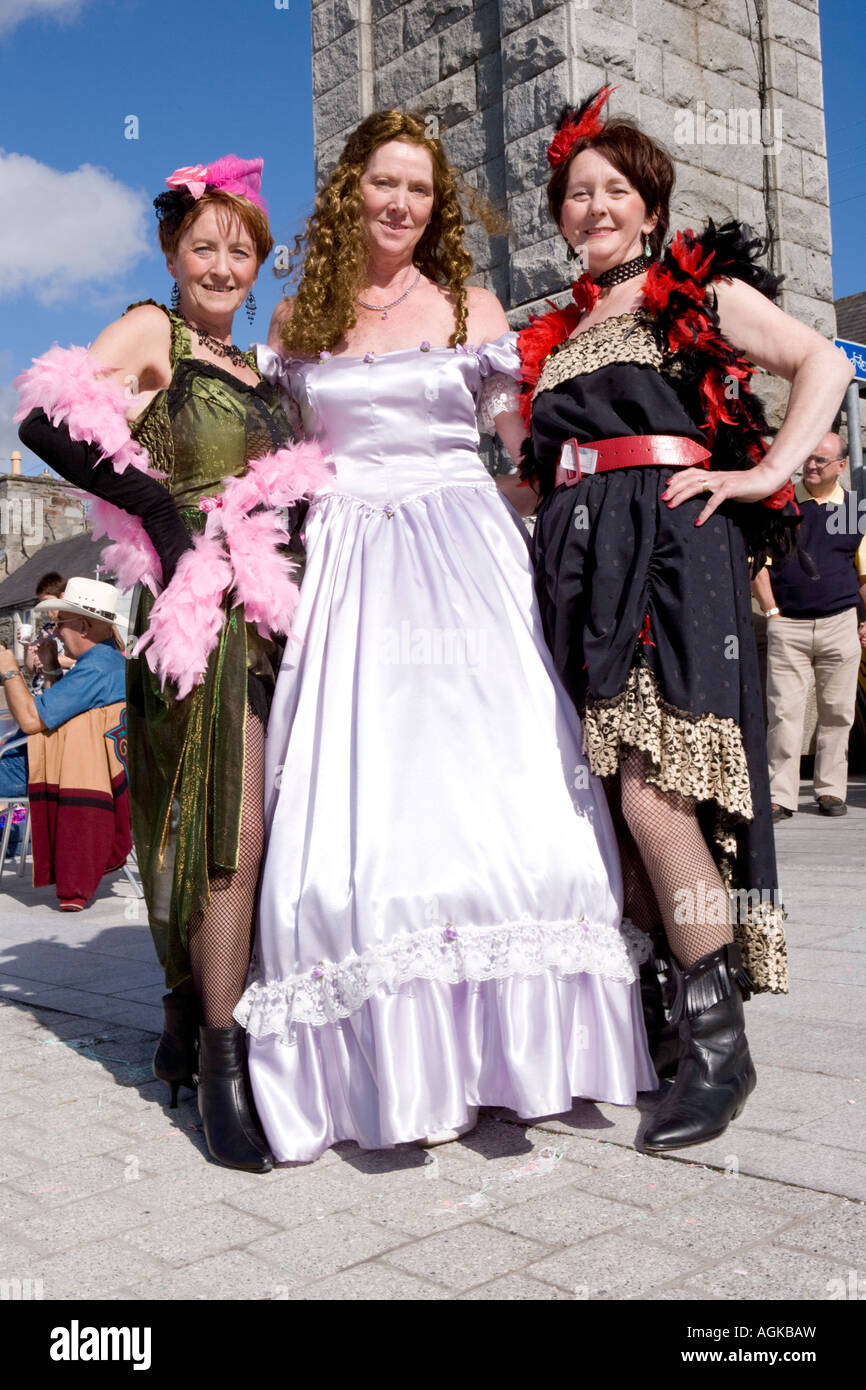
(167, 393)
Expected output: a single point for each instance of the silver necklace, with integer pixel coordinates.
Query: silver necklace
(383, 308)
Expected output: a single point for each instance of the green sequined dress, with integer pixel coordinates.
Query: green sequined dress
(186, 757)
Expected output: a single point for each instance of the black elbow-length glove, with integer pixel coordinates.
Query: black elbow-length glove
(135, 492)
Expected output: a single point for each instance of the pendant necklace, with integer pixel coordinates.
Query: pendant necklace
(383, 308)
(234, 354)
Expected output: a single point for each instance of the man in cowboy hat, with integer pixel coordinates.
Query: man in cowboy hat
(88, 624)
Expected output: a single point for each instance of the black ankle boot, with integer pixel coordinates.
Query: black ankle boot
(225, 1102)
(715, 1075)
(657, 998)
(176, 1056)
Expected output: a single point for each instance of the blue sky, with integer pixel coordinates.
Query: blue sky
(843, 42)
(204, 78)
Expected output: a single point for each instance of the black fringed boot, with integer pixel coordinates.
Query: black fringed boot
(657, 998)
(225, 1102)
(176, 1058)
(715, 1075)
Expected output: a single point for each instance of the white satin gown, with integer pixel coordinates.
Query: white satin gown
(440, 912)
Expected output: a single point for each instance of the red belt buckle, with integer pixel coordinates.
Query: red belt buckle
(575, 462)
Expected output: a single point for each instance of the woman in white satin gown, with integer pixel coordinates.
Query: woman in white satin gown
(440, 911)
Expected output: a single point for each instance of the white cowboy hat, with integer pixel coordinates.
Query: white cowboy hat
(91, 598)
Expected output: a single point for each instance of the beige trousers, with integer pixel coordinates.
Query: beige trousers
(797, 648)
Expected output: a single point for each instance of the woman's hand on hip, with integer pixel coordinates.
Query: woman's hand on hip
(734, 485)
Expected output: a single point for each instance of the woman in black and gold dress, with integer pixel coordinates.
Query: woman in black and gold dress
(648, 450)
(205, 541)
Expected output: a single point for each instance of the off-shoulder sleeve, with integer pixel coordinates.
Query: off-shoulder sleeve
(274, 367)
(499, 361)
(278, 371)
(500, 356)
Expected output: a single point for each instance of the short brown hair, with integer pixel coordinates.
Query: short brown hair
(52, 584)
(647, 166)
(230, 205)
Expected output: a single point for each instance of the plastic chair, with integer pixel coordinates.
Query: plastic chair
(7, 743)
(10, 805)
(131, 870)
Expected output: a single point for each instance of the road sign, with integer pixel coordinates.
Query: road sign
(857, 353)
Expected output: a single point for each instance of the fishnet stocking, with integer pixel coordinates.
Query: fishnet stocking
(639, 900)
(220, 935)
(686, 892)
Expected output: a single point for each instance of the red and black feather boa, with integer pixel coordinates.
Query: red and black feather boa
(714, 378)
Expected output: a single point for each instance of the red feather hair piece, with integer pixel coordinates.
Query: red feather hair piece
(589, 124)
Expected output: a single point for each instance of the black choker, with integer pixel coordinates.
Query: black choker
(618, 273)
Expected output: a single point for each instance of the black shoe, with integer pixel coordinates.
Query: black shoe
(176, 1056)
(656, 994)
(225, 1102)
(715, 1076)
(832, 806)
(780, 812)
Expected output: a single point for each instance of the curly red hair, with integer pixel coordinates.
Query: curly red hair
(334, 250)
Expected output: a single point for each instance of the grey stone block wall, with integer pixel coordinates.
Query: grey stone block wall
(35, 512)
(732, 88)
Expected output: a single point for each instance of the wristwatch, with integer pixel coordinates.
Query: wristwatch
(771, 612)
(7, 675)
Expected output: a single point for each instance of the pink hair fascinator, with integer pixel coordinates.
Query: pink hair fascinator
(242, 177)
(192, 177)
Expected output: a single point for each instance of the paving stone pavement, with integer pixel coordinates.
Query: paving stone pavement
(106, 1193)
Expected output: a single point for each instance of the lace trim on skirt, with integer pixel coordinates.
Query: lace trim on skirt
(760, 934)
(758, 916)
(332, 991)
(700, 756)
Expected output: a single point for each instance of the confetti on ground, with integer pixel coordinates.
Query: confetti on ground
(537, 1166)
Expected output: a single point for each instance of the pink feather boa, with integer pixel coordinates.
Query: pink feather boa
(131, 556)
(71, 386)
(239, 550)
(187, 618)
(238, 553)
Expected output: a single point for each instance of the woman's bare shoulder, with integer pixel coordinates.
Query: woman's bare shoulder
(280, 319)
(486, 315)
(139, 341)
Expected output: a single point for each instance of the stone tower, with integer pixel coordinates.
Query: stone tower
(33, 513)
(732, 88)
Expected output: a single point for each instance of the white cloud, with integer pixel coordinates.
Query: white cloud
(14, 12)
(62, 232)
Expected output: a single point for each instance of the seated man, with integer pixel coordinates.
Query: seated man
(73, 766)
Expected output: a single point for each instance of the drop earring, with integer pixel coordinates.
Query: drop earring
(175, 297)
(570, 254)
(250, 307)
(647, 249)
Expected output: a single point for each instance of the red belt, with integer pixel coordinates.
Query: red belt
(577, 460)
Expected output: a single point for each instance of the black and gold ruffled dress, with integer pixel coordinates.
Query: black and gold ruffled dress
(186, 757)
(648, 616)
